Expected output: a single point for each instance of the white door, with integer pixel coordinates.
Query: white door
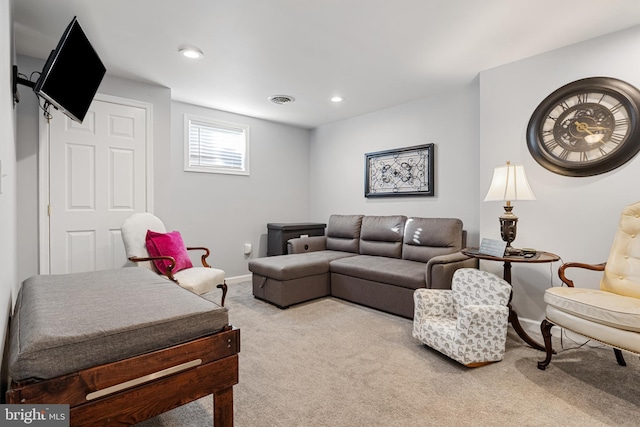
(97, 179)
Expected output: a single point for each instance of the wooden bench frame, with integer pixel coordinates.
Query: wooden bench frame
(135, 389)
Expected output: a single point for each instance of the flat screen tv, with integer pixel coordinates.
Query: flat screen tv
(72, 74)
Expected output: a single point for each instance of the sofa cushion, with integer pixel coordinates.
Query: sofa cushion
(343, 233)
(597, 306)
(295, 266)
(425, 238)
(393, 271)
(382, 235)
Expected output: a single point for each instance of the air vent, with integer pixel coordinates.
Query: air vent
(282, 99)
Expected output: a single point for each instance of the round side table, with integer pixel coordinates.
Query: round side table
(539, 257)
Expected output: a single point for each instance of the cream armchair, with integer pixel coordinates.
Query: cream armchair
(611, 314)
(468, 322)
(199, 280)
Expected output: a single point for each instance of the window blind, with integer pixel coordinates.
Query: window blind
(217, 146)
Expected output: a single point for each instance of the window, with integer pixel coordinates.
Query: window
(215, 146)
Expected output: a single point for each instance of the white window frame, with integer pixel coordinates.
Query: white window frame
(221, 124)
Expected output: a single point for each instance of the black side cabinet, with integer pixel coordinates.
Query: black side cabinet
(279, 233)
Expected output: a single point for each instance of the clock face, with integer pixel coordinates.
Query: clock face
(586, 128)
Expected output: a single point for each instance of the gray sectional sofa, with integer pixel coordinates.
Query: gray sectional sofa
(376, 261)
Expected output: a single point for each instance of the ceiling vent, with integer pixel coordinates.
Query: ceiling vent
(282, 99)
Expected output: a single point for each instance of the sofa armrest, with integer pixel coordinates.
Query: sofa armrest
(301, 245)
(440, 269)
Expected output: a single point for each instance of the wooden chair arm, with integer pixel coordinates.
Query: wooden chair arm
(563, 267)
(223, 287)
(170, 268)
(203, 258)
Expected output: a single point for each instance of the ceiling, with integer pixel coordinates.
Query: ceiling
(374, 53)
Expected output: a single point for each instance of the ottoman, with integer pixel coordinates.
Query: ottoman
(285, 280)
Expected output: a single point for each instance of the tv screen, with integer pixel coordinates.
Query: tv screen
(72, 74)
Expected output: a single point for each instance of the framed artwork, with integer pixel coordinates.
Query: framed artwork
(400, 172)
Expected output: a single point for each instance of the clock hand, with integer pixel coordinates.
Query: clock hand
(584, 127)
(591, 138)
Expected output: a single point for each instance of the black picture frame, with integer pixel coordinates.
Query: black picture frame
(400, 172)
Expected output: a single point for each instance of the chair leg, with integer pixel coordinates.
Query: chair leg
(223, 286)
(545, 328)
(619, 357)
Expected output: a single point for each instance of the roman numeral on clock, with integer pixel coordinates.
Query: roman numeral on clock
(582, 97)
(564, 155)
(551, 144)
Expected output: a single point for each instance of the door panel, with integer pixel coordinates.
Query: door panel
(97, 179)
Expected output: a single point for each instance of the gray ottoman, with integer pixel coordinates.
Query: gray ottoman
(291, 279)
(69, 322)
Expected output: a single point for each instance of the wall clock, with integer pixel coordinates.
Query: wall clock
(587, 127)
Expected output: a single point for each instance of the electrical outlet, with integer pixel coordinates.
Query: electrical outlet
(247, 248)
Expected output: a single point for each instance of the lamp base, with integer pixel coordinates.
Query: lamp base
(508, 229)
(510, 251)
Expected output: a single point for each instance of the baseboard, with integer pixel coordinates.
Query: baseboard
(237, 279)
(532, 327)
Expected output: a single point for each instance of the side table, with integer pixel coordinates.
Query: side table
(539, 257)
(279, 233)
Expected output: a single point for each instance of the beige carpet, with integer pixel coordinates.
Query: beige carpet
(332, 363)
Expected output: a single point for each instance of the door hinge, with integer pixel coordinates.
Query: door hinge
(49, 210)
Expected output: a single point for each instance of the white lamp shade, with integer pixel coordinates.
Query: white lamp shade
(509, 183)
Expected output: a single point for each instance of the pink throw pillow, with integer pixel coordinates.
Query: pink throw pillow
(169, 244)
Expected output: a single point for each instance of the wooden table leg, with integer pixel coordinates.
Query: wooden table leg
(223, 408)
(513, 319)
(513, 316)
(506, 273)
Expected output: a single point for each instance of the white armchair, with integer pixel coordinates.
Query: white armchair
(198, 280)
(611, 314)
(467, 323)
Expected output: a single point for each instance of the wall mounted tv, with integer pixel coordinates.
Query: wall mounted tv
(72, 74)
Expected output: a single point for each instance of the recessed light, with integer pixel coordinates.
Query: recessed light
(337, 99)
(281, 99)
(191, 52)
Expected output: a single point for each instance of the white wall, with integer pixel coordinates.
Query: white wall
(8, 236)
(27, 169)
(449, 120)
(223, 212)
(575, 218)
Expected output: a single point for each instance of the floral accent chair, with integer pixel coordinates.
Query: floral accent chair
(469, 322)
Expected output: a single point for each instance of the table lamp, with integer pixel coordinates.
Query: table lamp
(509, 183)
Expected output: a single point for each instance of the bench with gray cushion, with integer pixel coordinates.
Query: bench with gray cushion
(377, 261)
(94, 340)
